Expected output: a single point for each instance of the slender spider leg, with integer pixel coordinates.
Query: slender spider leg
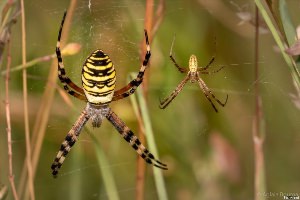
(182, 70)
(68, 84)
(69, 141)
(201, 70)
(129, 136)
(211, 60)
(164, 103)
(132, 86)
(208, 65)
(207, 91)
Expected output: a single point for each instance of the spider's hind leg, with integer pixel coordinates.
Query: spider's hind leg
(69, 141)
(207, 91)
(165, 102)
(136, 144)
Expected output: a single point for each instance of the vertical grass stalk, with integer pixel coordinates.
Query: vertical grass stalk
(44, 110)
(158, 175)
(258, 126)
(8, 129)
(279, 39)
(26, 117)
(107, 175)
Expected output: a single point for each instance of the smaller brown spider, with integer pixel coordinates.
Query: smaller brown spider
(193, 74)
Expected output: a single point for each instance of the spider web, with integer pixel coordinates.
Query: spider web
(117, 28)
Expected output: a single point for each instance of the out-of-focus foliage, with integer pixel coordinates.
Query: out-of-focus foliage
(210, 155)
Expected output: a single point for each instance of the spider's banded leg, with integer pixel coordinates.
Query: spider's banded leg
(182, 70)
(207, 91)
(164, 103)
(128, 135)
(69, 141)
(68, 85)
(132, 86)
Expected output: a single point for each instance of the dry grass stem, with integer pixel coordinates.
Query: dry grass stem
(39, 129)
(26, 117)
(151, 25)
(70, 49)
(8, 129)
(258, 128)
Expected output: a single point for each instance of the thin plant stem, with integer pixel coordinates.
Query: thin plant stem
(8, 18)
(65, 52)
(274, 28)
(40, 124)
(149, 15)
(3, 191)
(158, 175)
(141, 166)
(26, 117)
(150, 24)
(140, 174)
(31, 63)
(8, 129)
(258, 126)
(160, 11)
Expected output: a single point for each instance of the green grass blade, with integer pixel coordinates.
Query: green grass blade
(107, 175)
(158, 175)
(288, 26)
(75, 181)
(273, 26)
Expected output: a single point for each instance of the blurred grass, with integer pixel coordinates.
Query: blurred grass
(139, 105)
(106, 172)
(183, 131)
(289, 33)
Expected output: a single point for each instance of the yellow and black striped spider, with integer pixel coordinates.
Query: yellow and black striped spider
(193, 74)
(98, 80)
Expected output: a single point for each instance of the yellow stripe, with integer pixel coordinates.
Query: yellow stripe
(91, 66)
(98, 58)
(86, 83)
(98, 78)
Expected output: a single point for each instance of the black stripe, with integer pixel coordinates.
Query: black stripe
(97, 63)
(97, 94)
(98, 72)
(147, 56)
(135, 147)
(97, 83)
(98, 54)
(62, 71)
(140, 75)
(58, 55)
(138, 142)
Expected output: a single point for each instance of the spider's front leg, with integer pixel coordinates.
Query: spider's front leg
(182, 70)
(69, 141)
(132, 86)
(68, 84)
(136, 144)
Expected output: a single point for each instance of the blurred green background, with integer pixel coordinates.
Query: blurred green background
(210, 155)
